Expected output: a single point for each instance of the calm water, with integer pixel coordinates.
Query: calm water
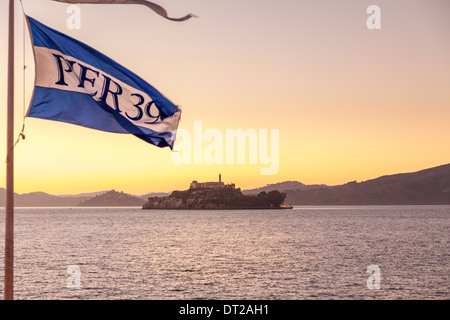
(304, 253)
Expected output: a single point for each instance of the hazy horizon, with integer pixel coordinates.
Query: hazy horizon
(186, 186)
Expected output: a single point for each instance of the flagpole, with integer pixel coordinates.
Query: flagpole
(9, 210)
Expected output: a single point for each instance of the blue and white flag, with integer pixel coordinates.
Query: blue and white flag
(77, 84)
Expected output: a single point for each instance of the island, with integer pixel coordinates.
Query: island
(216, 196)
(112, 198)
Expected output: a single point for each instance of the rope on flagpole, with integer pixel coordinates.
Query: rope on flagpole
(22, 132)
(25, 27)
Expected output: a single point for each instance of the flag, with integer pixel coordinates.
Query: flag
(77, 84)
(157, 8)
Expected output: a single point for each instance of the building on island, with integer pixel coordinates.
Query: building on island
(211, 185)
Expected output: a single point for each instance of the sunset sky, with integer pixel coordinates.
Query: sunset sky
(349, 103)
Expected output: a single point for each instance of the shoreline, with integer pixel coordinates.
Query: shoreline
(215, 209)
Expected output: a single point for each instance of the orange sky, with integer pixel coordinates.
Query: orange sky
(349, 103)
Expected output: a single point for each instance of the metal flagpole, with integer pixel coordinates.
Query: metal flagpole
(9, 211)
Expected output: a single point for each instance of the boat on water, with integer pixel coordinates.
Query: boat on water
(286, 206)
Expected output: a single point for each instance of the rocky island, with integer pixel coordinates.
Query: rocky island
(216, 195)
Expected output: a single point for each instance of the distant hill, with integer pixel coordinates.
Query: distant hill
(42, 199)
(425, 187)
(113, 199)
(283, 186)
(84, 195)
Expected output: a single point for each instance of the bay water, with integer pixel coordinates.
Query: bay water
(326, 252)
